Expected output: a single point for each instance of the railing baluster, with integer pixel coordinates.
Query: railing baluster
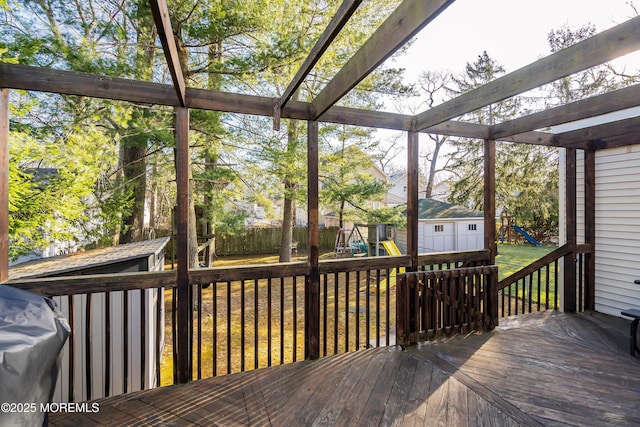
(346, 313)
(530, 292)
(143, 337)
(199, 331)
(547, 286)
(282, 310)
(357, 310)
(580, 305)
(228, 327)
(377, 308)
(295, 319)
(256, 328)
(368, 310)
(325, 309)
(159, 333)
(125, 342)
(87, 349)
(387, 315)
(214, 328)
(555, 285)
(335, 313)
(269, 314)
(107, 344)
(242, 326)
(71, 347)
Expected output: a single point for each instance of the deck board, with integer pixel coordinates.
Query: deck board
(540, 369)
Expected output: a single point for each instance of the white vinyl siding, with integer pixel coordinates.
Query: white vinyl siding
(617, 227)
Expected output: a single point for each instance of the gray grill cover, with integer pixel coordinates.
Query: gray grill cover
(32, 333)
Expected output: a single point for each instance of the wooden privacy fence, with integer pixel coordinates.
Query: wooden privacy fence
(444, 302)
(258, 241)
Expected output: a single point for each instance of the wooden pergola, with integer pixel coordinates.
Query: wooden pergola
(403, 24)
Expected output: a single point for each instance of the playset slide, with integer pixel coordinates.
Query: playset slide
(392, 250)
(527, 236)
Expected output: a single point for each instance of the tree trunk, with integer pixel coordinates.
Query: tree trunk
(433, 169)
(134, 147)
(135, 176)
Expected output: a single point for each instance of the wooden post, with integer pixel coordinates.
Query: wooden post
(312, 283)
(590, 227)
(490, 199)
(569, 302)
(4, 185)
(184, 320)
(406, 295)
(412, 198)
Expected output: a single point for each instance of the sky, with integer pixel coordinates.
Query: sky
(514, 32)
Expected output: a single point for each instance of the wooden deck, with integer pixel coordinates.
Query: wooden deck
(538, 369)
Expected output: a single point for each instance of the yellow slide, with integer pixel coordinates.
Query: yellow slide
(392, 250)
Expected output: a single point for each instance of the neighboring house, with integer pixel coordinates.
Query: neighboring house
(617, 234)
(397, 193)
(133, 257)
(445, 227)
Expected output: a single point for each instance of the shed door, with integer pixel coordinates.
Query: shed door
(438, 236)
(470, 235)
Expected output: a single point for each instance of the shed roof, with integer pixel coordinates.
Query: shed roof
(435, 209)
(57, 265)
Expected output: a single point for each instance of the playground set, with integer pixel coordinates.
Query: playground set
(380, 241)
(507, 225)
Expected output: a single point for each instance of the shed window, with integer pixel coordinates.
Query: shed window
(473, 227)
(439, 228)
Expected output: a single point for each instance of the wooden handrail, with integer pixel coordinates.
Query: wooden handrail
(459, 256)
(96, 283)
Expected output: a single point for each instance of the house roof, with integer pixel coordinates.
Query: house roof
(435, 209)
(58, 265)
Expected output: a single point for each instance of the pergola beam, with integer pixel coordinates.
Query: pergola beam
(591, 107)
(578, 138)
(165, 33)
(405, 22)
(342, 15)
(602, 47)
(84, 84)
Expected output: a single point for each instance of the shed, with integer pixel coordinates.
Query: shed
(445, 227)
(143, 307)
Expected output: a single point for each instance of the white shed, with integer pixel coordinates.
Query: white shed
(445, 227)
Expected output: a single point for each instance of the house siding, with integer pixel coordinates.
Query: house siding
(617, 227)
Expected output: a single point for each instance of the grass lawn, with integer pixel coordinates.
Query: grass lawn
(531, 289)
(512, 258)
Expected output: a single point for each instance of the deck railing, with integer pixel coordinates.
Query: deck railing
(536, 287)
(435, 303)
(117, 325)
(123, 325)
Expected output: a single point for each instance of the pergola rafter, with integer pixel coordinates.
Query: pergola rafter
(165, 33)
(342, 15)
(404, 23)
